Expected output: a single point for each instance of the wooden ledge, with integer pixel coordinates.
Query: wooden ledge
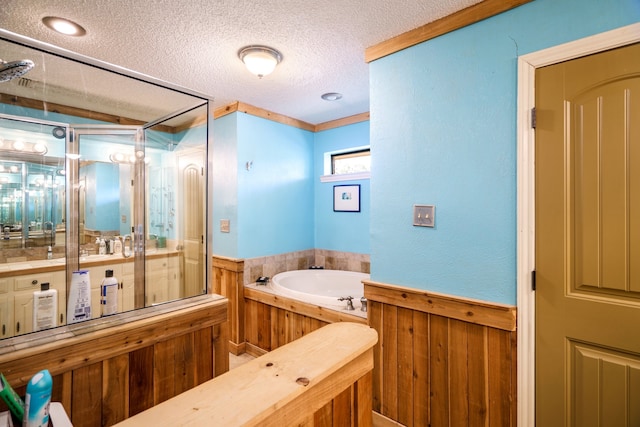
(283, 387)
(98, 343)
(500, 316)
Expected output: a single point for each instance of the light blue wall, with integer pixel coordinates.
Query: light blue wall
(340, 231)
(225, 184)
(102, 196)
(270, 206)
(443, 132)
(279, 205)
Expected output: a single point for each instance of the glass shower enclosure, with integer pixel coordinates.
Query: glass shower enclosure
(112, 175)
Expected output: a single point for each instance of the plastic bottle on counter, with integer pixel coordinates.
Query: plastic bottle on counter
(109, 294)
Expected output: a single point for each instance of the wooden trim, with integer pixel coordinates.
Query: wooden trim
(51, 107)
(86, 349)
(301, 308)
(479, 312)
(457, 20)
(275, 117)
(237, 349)
(254, 350)
(227, 109)
(228, 281)
(232, 264)
(280, 118)
(197, 121)
(527, 65)
(357, 118)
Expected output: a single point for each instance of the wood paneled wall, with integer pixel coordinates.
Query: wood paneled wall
(272, 321)
(106, 376)
(228, 281)
(441, 360)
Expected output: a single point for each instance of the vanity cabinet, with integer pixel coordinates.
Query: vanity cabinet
(163, 279)
(124, 273)
(21, 299)
(6, 318)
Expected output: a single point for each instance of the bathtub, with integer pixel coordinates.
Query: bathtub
(321, 287)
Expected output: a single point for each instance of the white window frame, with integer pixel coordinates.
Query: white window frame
(329, 177)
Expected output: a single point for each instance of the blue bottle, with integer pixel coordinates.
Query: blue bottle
(37, 399)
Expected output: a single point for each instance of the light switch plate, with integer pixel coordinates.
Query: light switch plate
(225, 226)
(424, 215)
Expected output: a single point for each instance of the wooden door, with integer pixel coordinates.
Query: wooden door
(192, 182)
(588, 241)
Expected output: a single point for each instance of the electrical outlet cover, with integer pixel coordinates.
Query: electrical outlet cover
(424, 215)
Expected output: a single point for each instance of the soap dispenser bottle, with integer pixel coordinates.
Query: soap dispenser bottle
(103, 247)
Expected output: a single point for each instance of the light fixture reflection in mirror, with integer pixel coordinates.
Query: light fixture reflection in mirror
(120, 157)
(20, 146)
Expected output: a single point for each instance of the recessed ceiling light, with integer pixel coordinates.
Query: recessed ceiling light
(64, 26)
(331, 96)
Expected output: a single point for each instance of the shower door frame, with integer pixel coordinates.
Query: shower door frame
(76, 131)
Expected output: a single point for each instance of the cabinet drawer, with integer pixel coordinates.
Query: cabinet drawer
(33, 281)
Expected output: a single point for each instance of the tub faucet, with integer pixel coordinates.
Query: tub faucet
(363, 304)
(349, 301)
(262, 281)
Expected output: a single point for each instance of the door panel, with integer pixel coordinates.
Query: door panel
(588, 241)
(193, 229)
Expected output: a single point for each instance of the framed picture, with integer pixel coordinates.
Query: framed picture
(346, 198)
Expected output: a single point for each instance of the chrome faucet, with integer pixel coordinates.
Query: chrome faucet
(127, 251)
(349, 301)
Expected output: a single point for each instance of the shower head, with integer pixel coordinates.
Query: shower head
(15, 69)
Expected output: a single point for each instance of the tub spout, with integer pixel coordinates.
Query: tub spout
(349, 301)
(363, 304)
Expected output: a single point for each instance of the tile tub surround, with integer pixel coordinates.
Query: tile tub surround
(331, 260)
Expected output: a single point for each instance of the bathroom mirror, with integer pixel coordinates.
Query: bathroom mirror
(101, 169)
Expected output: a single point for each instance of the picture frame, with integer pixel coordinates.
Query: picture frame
(346, 198)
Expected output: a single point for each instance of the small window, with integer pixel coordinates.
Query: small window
(352, 162)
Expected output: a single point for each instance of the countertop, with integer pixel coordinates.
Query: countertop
(58, 264)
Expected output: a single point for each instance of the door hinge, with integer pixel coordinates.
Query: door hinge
(202, 238)
(533, 118)
(201, 171)
(533, 280)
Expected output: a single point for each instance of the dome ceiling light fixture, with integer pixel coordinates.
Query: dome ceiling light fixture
(64, 26)
(260, 60)
(331, 96)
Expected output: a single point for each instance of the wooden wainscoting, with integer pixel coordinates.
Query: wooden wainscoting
(272, 321)
(105, 376)
(442, 360)
(228, 281)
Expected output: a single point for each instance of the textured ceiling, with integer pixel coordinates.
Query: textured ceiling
(194, 43)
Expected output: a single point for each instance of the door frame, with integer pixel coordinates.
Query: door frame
(527, 65)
